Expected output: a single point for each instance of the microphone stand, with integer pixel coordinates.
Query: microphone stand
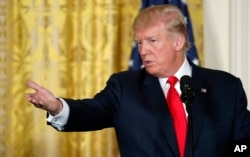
(190, 126)
(187, 96)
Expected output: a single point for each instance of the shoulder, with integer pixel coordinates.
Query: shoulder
(214, 75)
(132, 75)
(216, 80)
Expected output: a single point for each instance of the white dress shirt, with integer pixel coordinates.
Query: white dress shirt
(61, 119)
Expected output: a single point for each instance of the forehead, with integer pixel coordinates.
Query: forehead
(150, 31)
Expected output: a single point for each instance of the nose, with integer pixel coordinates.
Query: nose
(143, 49)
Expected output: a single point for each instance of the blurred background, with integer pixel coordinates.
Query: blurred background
(72, 47)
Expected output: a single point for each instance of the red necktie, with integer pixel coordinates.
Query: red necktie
(178, 115)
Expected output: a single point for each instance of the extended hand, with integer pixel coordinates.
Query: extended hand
(43, 98)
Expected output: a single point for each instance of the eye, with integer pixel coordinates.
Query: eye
(138, 42)
(152, 41)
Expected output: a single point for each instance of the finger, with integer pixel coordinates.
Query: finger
(37, 105)
(28, 96)
(33, 85)
(32, 98)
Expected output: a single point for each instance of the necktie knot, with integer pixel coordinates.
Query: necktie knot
(172, 80)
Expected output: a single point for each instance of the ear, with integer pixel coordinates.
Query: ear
(179, 42)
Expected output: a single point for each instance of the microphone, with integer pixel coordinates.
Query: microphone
(187, 94)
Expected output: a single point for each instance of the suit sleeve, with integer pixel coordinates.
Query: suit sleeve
(94, 113)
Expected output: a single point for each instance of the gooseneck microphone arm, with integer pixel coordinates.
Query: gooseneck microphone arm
(187, 97)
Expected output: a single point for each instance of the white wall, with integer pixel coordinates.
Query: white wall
(216, 36)
(227, 38)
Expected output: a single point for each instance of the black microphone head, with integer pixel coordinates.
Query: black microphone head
(185, 82)
(187, 95)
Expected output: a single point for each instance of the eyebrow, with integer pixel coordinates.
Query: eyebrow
(147, 38)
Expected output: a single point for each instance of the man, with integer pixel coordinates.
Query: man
(134, 102)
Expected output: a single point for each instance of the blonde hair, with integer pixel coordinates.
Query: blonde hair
(169, 15)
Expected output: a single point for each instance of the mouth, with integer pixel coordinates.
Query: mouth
(148, 63)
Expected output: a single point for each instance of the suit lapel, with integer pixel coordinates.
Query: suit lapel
(156, 101)
(201, 100)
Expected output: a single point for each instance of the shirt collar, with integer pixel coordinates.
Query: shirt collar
(185, 69)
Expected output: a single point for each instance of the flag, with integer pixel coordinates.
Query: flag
(135, 62)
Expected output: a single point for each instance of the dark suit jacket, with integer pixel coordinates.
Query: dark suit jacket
(134, 104)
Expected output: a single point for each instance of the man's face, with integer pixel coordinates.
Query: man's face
(158, 52)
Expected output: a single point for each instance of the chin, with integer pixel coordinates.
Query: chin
(152, 71)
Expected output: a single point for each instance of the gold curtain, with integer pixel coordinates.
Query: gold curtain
(195, 8)
(69, 46)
